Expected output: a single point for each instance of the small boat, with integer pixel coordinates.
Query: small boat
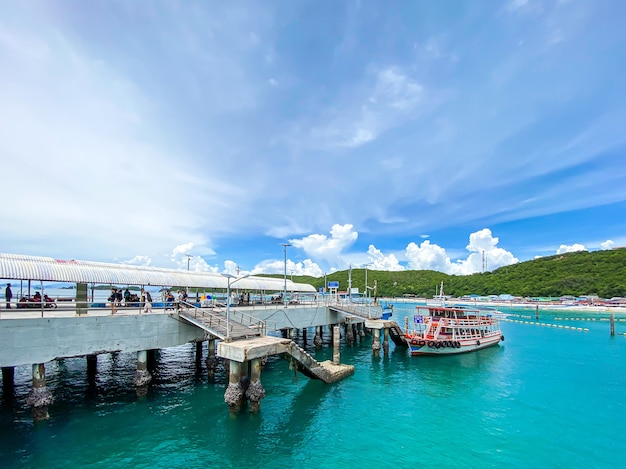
(440, 330)
(439, 299)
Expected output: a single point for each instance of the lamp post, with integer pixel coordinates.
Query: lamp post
(229, 277)
(189, 256)
(284, 245)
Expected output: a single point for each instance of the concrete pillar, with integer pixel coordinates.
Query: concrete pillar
(336, 342)
(39, 397)
(361, 329)
(349, 334)
(376, 342)
(8, 381)
(255, 391)
(199, 354)
(142, 375)
(304, 337)
(235, 394)
(317, 340)
(211, 360)
(386, 341)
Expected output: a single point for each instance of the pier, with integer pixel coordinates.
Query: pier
(241, 336)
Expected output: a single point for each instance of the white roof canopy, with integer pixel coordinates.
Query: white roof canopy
(18, 267)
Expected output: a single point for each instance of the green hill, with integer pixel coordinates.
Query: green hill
(601, 273)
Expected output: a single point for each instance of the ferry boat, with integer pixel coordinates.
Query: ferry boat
(442, 330)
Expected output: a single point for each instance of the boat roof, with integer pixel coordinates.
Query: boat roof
(20, 267)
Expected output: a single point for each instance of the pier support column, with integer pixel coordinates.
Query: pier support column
(199, 354)
(336, 343)
(376, 342)
(142, 375)
(317, 340)
(235, 393)
(612, 321)
(361, 329)
(304, 337)
(39, 397)
(255, 391)
(8, 381)
(211, 360)
(386, 341)
(349, 334)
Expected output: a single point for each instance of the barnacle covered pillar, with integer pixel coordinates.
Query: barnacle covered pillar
(376, 342)
(317, 340)
(235, 394)
(349, 333)
(386, 341)
(39, 397)
(255, 391)
(142, 375)
(8, 381)
(211, 360)
(336, 342)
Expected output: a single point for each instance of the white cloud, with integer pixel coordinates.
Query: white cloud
(482, 246)
(322, 247)
(572, 248)
(607, 245)
(306, 267)
(382, 262)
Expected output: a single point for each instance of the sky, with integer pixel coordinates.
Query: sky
(457, 136)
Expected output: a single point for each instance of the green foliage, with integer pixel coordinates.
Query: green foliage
(601, 273)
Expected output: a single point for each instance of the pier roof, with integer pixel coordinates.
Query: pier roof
(20, 267)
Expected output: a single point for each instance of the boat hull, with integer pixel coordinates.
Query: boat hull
(450, 347)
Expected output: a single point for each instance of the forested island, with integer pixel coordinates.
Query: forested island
(597, 273)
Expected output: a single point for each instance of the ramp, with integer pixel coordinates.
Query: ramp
(216, 324)
(362, 311)
(397, 334)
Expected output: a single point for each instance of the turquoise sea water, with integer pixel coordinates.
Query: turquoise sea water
(546, 397)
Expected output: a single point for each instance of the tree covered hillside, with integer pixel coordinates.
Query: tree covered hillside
(601, 273)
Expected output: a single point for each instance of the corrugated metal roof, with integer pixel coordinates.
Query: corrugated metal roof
(19, 267)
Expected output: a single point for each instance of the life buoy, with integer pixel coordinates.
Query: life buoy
(431, 343)
(421, 343)
(502, 338)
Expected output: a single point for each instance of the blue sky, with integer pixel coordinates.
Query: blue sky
(399, 135)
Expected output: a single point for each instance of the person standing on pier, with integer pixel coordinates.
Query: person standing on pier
(146, 299)
(113, 300)
(8, 294)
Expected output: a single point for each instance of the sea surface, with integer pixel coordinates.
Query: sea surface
(547, 397)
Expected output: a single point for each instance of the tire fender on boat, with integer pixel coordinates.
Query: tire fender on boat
(431, 343)
(438, 344)
(413, 341)
(478, 342)
(421, 343)
(502, 338)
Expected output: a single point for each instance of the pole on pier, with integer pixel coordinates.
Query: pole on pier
(336, 342)
(612, 320)
(536, 312)
(39, 397)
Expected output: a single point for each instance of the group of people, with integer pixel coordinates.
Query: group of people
(117, 299)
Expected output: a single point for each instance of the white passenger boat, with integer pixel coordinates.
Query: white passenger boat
(441, 330)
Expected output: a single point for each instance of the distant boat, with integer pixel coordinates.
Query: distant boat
(439, 299)
(444, 331)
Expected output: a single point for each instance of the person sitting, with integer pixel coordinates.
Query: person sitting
(37, 297)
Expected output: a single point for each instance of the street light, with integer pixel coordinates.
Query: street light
(284, 245)
(189, 256)
(229, 277)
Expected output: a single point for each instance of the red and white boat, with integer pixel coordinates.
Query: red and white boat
(441, 330)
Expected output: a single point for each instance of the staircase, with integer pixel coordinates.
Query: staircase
(326, 371)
